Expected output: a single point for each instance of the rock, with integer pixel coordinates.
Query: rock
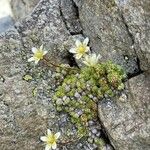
(26, 89)
(26, 107)
(71, 17)
(136, 16)
(20, 122)
(6, 16)
(78, 2)
(126, 118)
(68, 10)
(117, 29)
(22, 8)
(104, 26)
(5, 23)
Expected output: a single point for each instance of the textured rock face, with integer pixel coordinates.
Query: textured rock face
(21, 8)
(126, 118)
(136, 15)
(117, 28)
(17, 107)
(102, 22)
(70, 16)
(6, 16)
(26, 107)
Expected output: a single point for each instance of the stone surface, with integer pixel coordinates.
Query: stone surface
(26, 89)
(117, 28)
(103, 24)
(114, 31)
(126, 118)
(6, 23)
(26, 107)
(22, 8)
(71, 17)
(136, 16)
(6, 16)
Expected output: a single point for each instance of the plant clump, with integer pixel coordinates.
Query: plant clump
(82, 89)
(79, 90)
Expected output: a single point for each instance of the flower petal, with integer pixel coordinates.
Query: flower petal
(78, 56)
(49, 132)
(31, 59)
(43, 138)
(93, 56)
(34, 49)
(41, 47)
(54, 145)
(86, 63)
(57, 135)
(99, 56)
(73, 50)
(86, 41)
(78, 43)
(45, 52)
(36, 61)
(87, 49)
(91, 59)
(48, 147)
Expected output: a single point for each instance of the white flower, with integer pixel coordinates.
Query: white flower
(80, 49)
(37, 54)
(91, 60)
(50, 140)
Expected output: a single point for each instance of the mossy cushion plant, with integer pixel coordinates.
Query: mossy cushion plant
(80, 89)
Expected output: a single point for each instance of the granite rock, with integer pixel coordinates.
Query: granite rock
(22, 8)
(26, 89)
(26, 107)
(117, 28)
(126, 118)
(6, 16)
(136, 15)
(70, 15)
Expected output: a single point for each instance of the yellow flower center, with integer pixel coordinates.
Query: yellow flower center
(39, 55)
(51, 139)
(81, 49)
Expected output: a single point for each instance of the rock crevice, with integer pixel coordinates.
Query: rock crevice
(70, 15)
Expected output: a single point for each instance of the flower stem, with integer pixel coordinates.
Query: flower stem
(69, 142)
(59, 66)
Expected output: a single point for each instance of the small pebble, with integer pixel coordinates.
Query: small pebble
(98, 134)
(94, 131)
(90, 140)
(77, 95)
(59, 101)
(91, 123)
(64, 98)
(67, 88)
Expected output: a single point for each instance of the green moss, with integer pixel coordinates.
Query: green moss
(27, 77)
(104, 79)
(34, 92)
(100, 142)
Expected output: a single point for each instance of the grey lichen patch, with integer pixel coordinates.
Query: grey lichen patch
(82, 89)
